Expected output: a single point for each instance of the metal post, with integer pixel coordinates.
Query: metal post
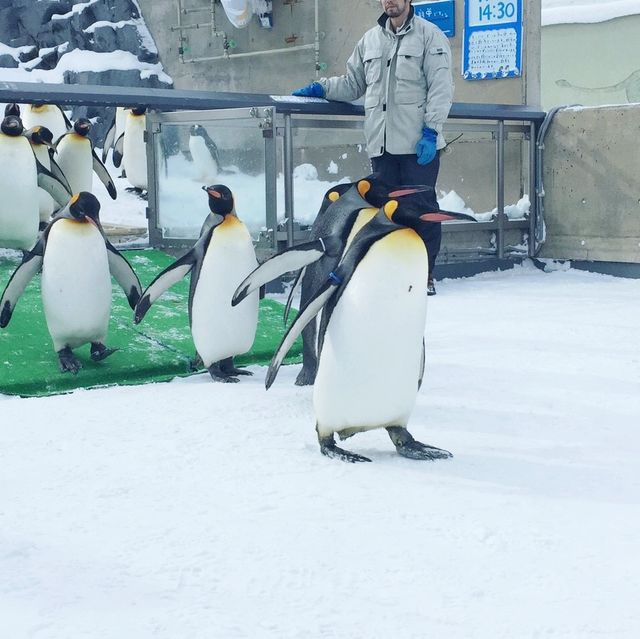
(533, 190)
(288, 177)
(500, 188)
(271, 183)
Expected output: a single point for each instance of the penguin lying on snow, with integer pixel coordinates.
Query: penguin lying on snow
(76, 260)
(20, 177)
(371, 337)
(222, 255)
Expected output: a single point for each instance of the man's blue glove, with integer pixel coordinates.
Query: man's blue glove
(426, 147)
(313, 90)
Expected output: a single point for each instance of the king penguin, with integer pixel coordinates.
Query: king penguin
(50, 116)
(76, 260)
(371, 337)
(204, 154)
(20, 177)
(221, 257)
(130, 149)
(41, 140)
(344, 210)
(78, 160)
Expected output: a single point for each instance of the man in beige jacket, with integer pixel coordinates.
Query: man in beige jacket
(402, 66)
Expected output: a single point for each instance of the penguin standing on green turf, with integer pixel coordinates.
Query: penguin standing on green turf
(77, 262)
(78, 160)
(222, 256)
(371, 336)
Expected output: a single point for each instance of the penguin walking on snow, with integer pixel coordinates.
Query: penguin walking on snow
(222, 256)
(77, 262)
(204, 154)
(20, 177)
(371, 337)
(78, 160)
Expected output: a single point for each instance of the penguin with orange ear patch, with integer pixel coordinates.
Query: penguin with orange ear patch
(371, 336)
(77, 262)
(222, 256)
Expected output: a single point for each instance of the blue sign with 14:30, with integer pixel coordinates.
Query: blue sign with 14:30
(440, 12)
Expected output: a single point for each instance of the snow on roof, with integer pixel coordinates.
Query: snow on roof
(586, 11)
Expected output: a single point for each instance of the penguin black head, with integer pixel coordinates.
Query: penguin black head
(12, 125)
(82, 127)
(139, 110)
(37, 105)
(12, 109)
(84, 205)
(40, 135)
(220, 199)
(198, 129)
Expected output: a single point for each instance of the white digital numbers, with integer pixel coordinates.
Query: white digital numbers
(489, 12)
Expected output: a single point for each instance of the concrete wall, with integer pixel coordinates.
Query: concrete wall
(341, 24)
(592, 184)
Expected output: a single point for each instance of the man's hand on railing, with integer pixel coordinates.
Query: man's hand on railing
(313, 90)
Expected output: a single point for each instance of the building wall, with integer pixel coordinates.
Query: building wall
(591, 64)
(341, 24)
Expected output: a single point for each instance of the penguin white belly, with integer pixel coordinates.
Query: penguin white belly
(135, 152)
(220, 330)
(76, 161)
(206, 168)
(49, 116)
(370, 361)
(46, 202)
(18, 194)
(76, 284)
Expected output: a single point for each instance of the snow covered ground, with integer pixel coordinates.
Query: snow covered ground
(202, 510)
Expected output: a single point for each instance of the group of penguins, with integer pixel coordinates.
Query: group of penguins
(363, 273)
(46, 159)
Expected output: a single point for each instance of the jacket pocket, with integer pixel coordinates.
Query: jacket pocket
(373, 67)
(409, 63)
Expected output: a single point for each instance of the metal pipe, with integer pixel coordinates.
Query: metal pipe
(288, 177)
(317, 38)
(250, 54)
(500, 189)
(533, 190)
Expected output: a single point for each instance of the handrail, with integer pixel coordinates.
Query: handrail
(168, 99)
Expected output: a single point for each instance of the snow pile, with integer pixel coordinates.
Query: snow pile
(586, 11)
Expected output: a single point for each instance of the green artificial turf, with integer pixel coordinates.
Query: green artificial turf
(158, 349)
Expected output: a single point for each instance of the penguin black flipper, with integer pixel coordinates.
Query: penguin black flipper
(292, 259)
(57, 171)
(31, 264)
(101, 171)
(57, 188)
(109, 139)
(67, 122)
(163, 281)
(292, 291)
(423, 359)
(304, 317)
(120, 268)
(118, 151)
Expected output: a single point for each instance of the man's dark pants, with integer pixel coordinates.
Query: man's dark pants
(402, 170)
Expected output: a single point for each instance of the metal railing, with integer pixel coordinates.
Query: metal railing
(285, 115)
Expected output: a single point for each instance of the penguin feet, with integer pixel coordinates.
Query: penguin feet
(219, 375)
(306, 377)
(195, 364)
(409, 447)
(99, 351)
(69, 363)
(328, 447)
(227, 367)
